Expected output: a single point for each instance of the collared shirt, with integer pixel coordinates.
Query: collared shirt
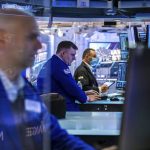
(10, 87)
(60, 58)
(66, 70)
(88, 65)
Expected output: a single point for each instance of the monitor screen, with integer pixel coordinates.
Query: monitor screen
(135, 132)
(121, 80)
(107, 51)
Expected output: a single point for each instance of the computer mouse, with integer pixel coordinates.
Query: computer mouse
(114, 99)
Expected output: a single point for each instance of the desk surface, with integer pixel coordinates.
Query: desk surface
(92, 123)
(108, 101)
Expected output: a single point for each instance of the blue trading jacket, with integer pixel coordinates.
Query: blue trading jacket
(56, 77)
(40, 126)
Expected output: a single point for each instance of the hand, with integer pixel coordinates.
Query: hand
(91, 92)
(104, 88)
(93, 97)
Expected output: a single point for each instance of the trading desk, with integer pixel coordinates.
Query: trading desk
(103, 105)
(93, 126)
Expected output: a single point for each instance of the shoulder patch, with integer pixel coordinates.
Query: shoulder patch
(67, 71)
(80, 77)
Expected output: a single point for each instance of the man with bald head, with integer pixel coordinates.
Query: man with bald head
(25, 123)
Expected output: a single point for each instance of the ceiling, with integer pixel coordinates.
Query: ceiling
(102, 10)
(65, 13)
(95, 10)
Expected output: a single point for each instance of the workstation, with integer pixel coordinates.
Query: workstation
(109, 101)
(112, 28)
(113, 105)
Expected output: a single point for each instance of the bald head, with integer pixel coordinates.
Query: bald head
(12, 12)
(18, 39)
(10, 17)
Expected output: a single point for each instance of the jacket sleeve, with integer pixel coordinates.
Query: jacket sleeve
(82, 76)
(69, 85)
(43, 80)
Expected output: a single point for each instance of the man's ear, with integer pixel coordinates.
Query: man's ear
(63, 52)
(87, 56)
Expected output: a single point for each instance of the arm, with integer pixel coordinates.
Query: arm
(43, 79)
(69, 85)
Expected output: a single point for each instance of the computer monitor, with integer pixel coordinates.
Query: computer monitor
(135, 131)
(106, 45)
(107, 51)
(121, 79)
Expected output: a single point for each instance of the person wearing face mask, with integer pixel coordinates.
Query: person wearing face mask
(56, 77)
(84, 75)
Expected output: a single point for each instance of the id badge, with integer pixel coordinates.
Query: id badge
(33, 106)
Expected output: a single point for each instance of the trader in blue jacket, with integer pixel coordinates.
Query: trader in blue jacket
(25, 123)
(55, 77)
